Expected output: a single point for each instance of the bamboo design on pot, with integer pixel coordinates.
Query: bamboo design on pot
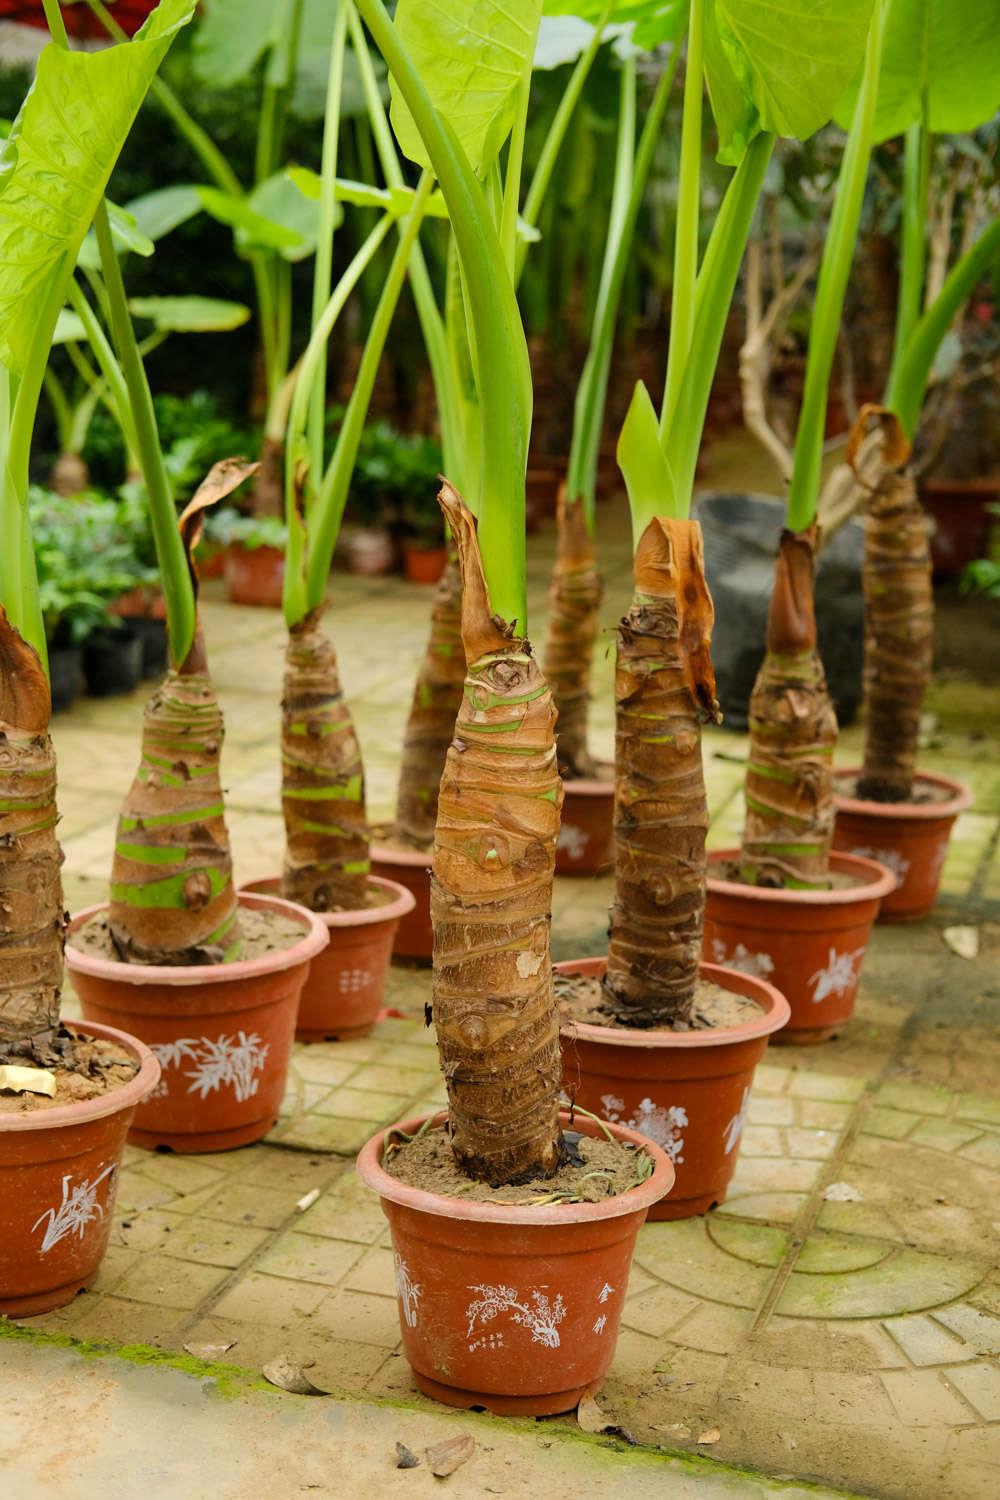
(31, 904)
(323, 782)
(574, 604)
(433, 711)
(793, 731)
(664, 686)
(491, 896)
(899, 636)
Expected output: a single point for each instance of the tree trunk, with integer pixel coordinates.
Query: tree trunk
(491, 897)
(267, 498)
(431, 724)
(793, 731)
(664, 686)
(31, 903)
(323, 780)
(899, 636)
(172, 894)
(574, 603)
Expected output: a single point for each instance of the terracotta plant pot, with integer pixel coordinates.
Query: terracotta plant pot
(58, 1175)
(369, 550)
(342, 995)
(509, 1307)
(686, 1090)
(424, 564)
(587, 832)
(222, 1032)
(809, 944)
(960, 508)
(414, 935)
(255, 575)
(909, 838)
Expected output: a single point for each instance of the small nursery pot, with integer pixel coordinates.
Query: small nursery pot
(152, 633)
(688, 1091)
(424, 564)
(342, 995)
(409, 868)
(909, 838)
(255, 575)
(509, 1307)
(222, 1032)
(587, 831)
(58, 1175)
(65, 665)
(369, 551)
(112, 662)
(809, 944)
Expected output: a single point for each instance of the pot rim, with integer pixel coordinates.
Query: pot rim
(83, 1111)
(584, 786)
(636, 1200)
(907, 812)
(313, 941)
(403, 902)
(777, 1015)
(880, 882)
(407, 859)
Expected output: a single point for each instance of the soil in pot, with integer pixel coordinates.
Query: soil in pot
(59, 1163)
(342, 996)
(65, 668)
(586, 832)
(512, 1305)
(392, 860)
(222, 1032)
(255, 575)
(809, 944)
(686, 1090)
(112, 662)
(909, 838)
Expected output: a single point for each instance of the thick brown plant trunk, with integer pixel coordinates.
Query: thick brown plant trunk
(323, 782)
(31, 903)
(433, 711)
(70, 475)
(491, 897)
(793, 731)
(574, 605)
(268, 495)
(664, 686)
(899, 636)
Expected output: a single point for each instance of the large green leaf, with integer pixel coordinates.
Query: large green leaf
(655, 21)
(392, 200)
(946, 52)
(190, 314)
(779, 67)
(276, 217)
(55, 164)
(126, 236)
(158, 213)
(472, 56)
(231, 37)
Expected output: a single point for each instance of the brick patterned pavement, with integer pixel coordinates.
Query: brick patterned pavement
(838, 1318)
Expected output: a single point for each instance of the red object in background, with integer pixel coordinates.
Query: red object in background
(79, 18)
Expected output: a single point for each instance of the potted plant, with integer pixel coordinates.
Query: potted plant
(425, 550)
(254, 556)
(652, 1035)
(783, 906)
(68, 1092)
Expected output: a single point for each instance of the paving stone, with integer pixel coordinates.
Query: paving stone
(985, 1151)
(322, 1132)
(373, 1272)
(769, 1388)
(980, 1385)
(944, 1135)
(352, 1214)
(657, 1312)
(243, 1202)
(978, 1107)
(893, 1124)
(120, 1321)
(814, 1145)
(158, 1279)
(770, 1078)
(761, 1140)
(687, 1258)
(777, 1208)
(374, 1107)
(760, 1244)
(904, 1281)
(214, 1244)
(309, 1257)
(822, 1114)
(361, 1317)
(838, 1254)
(920, 1098)
(922, 1399)
(852, 1398)
(980, 1329)
(775, 1174)
(767, 1109)
(925, 1342)
(715, 1329)
(258, 1298)
(826, 1086)
(318, 1066)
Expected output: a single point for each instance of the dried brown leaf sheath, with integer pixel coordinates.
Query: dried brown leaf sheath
(31, 905)
(491, 896)
(793, 730)
(899, 636)
(664, 684)
(433, 711)
(574, 605)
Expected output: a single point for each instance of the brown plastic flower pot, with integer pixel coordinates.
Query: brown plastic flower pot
(222, 1032)
(255, 575)
(424, 564)
(687, 1091)
(58, 1175)
(809, 944)
(909, 838)
(587, 831)
(342, 995)
(509, 1307)
(414, 935)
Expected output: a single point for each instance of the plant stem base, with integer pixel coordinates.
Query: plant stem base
(506, 1406)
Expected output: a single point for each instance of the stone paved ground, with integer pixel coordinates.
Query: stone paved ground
(849, 1338)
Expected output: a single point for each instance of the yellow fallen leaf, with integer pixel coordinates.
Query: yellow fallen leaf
(711, 1436)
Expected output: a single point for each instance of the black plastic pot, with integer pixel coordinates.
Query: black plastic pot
(153, 635)
(741, 540)
(112, 662)
(65, 663)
